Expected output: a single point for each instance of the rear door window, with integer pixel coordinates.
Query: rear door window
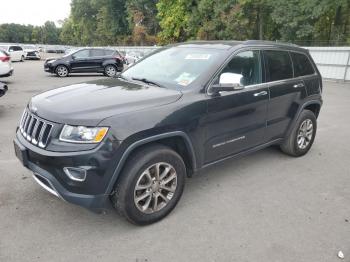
(109, 52)
(279, 65)
(302, 65)
(97, 52)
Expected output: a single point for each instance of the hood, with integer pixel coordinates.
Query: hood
(30, 50)
(89, 103)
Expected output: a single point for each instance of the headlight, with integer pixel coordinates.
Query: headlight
(82, 134)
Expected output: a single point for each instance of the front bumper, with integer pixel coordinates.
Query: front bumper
(48, 172)
(49, 68)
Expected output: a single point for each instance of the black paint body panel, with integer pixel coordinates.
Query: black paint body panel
(213, 127)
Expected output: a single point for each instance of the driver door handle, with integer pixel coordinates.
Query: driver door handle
(298, 85)
(262, 93)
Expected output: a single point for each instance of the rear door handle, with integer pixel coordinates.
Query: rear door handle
(262, 93)
(298, 85)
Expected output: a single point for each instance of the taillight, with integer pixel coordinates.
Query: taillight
(4, 58)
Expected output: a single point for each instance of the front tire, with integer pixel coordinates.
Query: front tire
(61, 71)
(150, 185)
(22, 59)
(302, 136)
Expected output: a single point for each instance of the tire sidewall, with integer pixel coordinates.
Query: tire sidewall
(131, 211)
(305, 115)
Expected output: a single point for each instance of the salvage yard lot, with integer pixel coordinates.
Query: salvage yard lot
(264, 207)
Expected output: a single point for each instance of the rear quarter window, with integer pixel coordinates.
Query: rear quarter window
(302, 65)
(279, 65)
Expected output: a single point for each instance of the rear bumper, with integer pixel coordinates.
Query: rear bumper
(9, 73)
(36, 57)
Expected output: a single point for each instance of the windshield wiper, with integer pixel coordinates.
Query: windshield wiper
(147, 81)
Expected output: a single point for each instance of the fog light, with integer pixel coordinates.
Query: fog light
(74, 173)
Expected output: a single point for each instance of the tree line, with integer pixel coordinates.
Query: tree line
(149, 22)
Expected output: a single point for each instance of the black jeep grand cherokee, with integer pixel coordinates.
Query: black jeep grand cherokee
(132, 140)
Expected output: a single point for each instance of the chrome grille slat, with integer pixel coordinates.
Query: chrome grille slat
(34, 129)
(24, 121)
(41, 144)
(29, 129)
(26, 125)
(24, 115)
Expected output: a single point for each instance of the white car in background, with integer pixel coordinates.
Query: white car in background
(6, 68)
(31, 52)
(17, 53)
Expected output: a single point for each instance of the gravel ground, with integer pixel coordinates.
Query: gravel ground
(264, 207)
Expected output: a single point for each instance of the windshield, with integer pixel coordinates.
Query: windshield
(175, 67)
(69, 52)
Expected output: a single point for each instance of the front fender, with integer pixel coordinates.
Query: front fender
(131, 148)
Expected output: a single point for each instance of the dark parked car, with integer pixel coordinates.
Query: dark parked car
(86, 60)
(132, 140)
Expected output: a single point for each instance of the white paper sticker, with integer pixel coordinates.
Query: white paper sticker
(185, 79)
(197, 56)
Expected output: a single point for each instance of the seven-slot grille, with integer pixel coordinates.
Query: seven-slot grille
(34, 129)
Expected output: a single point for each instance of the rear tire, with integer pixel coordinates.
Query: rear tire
(110, 70)
(22, 59)
(302, 136)
(144, 195)
(61, 71)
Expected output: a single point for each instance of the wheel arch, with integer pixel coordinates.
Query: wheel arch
(177, 140)
(312, 105)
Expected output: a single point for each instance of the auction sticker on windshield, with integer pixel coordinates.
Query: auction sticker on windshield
(185, 79)
(197, 56)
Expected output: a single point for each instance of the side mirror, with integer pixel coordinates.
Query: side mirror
(73, 57)
(228, 82)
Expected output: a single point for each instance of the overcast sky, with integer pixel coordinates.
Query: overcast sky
(35, 12)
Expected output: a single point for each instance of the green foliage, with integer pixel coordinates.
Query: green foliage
(15, 33)
(174, 17)
(142, 22)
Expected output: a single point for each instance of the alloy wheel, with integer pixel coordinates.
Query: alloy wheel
(111, 71)
(62, 71)
(305, 133)
(155, 187)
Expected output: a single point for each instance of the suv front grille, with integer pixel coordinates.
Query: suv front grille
(34, 129)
